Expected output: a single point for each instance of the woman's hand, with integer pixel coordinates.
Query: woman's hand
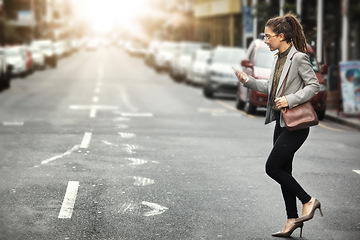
(281, 102)
(242, 77)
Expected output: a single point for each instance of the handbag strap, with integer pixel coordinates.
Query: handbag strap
(282, 93)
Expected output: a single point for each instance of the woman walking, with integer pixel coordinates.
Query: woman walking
(286, 35)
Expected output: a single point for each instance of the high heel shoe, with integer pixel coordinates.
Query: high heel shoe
(291, 230)
(317, 205)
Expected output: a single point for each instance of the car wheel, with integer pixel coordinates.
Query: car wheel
(208, 92)
(249, 107)
(239, 103)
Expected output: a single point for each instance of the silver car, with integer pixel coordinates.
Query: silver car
(221, 77)
(196, 73)
(182, 58)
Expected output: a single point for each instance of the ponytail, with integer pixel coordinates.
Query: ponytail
(291, 27)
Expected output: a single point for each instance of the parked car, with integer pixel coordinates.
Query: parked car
(258, 64)
(4, 71)
(135, 48)
(29, 59)
(16, 58)
(38, 57)
(221, 77)
(165, 54)
(48, 50)
(197, 70)
(151, 52)
(182, 58)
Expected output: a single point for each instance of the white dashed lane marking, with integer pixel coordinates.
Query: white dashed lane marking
(357, 171)
(86, 140)
(68, 204)
(13, 123)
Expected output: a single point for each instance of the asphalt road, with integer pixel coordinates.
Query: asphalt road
(103, 147)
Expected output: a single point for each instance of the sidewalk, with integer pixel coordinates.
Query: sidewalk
(351, 121)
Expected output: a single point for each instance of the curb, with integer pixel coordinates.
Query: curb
(342, 121)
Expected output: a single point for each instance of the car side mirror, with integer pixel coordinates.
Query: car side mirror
(324, 69)
(246, 63)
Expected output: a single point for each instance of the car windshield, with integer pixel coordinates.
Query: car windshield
(264, 58)
(228, 56)
(45, 46)
(202, 56)
(12, 53)
(314, 63)
(169, 47)
(188, 49)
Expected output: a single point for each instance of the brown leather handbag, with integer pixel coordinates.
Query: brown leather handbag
(301, 116)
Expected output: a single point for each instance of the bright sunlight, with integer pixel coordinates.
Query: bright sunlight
(104, 14)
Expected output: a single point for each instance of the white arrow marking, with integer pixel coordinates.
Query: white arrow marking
(357, 171)
(156, 209)
(141, 181)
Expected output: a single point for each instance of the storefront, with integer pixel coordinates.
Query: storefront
(218, 21)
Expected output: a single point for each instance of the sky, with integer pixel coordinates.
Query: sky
(103, 14)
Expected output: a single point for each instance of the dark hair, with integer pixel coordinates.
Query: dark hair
(291, 27)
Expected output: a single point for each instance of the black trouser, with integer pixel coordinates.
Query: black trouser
(279, 165)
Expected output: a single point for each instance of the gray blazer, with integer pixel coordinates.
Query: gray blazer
(302, 83)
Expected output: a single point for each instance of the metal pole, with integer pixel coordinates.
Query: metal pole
(281, 7)
(345, 32)
(298, 7)
(319, 31)
(244, 3)
(255, 20)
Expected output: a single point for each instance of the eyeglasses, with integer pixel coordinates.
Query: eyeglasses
(267, 37)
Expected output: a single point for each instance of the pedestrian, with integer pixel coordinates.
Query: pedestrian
(285, 34)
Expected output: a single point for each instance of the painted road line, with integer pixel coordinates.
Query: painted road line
(137, 114)
(68, 204)
(126, 135)
(357, 171)
(156, 209)
(330, 128)
(136, 161)
(118, 119)
(141, 181)
(12, 123)
(86, 140)
(225, 114)
(234, 109)
(46, 161)
(109, 143)
(93, 113)
(131, 148)
(97, 107)
(211, 110)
